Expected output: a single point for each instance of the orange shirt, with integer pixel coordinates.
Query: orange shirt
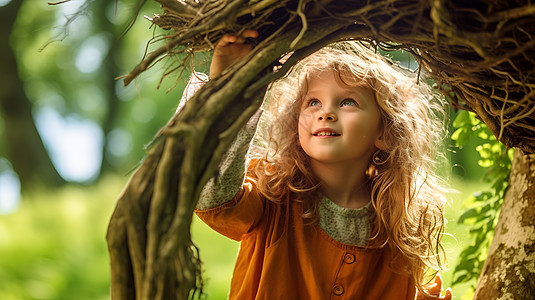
(282, 258)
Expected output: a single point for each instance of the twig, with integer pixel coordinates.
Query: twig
(304, 23)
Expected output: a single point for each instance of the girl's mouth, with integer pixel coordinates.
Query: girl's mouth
(326, 133)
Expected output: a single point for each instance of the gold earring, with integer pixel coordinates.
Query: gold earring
(380, 157)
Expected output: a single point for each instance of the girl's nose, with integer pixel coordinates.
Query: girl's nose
(327, 116)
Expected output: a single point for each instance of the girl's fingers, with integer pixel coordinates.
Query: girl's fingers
(239, 39)
(434, 289)
(250, 33)
(227, 39)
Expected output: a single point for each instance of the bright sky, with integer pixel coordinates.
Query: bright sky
(4, 2)
(74, 145)
(9, 188)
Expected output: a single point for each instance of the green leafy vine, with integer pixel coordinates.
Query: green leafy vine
(483, 207)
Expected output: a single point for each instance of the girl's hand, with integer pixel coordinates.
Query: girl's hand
(434, 289)
(229, 50)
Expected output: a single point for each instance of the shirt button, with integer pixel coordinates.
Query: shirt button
(338, 289)
(349, 258)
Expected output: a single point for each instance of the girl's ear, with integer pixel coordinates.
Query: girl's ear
(380, 143)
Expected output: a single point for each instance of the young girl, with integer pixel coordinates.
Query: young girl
(338, 199)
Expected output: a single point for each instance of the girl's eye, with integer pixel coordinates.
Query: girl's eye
(348, 102)
(314, 102)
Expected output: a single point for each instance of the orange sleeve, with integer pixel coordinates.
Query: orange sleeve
(237, 217)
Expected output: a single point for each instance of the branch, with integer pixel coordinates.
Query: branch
(219, 18)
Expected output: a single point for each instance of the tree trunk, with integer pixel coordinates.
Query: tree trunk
(509, 271)
(25, 149)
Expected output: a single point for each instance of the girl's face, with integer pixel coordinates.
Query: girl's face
(339, 123)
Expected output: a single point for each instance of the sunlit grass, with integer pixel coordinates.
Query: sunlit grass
(218, 254)
(53, 246)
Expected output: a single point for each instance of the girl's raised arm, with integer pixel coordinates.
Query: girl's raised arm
(231, 172)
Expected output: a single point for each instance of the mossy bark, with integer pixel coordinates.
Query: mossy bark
(509, 270)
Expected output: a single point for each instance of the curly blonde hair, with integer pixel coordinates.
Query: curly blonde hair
(407, 194)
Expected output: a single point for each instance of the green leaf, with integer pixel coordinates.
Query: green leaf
(483, 134)
(462, 119)
(460, 279)
(468, 214)
(460, 136)
(482, 215)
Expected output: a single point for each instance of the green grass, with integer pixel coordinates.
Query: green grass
(53, 246)
(218, 254)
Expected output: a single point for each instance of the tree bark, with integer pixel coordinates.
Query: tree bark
(509, 270)
(25, 149)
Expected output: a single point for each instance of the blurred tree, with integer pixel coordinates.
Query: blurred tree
(74, 77)
(25, 149)
(109, 70)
